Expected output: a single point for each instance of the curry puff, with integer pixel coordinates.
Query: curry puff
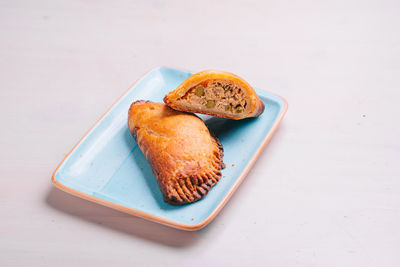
(216, 93)
(186, 159)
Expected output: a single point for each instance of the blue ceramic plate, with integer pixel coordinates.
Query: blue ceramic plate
(107, 166)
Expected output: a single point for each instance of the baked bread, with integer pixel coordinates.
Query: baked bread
(186, 159)
(216, 93)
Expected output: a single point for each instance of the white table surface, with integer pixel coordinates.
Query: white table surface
(324, 192)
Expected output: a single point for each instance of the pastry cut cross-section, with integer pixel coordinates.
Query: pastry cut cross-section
(216, 93)
(186, 159)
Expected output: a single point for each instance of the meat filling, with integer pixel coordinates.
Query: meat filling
(222, 96)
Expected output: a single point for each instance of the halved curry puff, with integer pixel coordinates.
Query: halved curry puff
(216, 93)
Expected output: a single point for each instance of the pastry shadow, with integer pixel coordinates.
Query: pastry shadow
(222, 127)
(114, 220)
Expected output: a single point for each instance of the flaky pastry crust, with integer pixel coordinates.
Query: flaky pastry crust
(186, 159)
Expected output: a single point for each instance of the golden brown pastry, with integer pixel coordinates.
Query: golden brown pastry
(186, 159)
(216, 93)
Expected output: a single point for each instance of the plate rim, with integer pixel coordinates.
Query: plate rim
(152, 217)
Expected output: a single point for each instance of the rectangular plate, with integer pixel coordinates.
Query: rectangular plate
(107, 166)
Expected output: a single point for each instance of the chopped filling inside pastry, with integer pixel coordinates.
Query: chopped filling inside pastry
(217, 96)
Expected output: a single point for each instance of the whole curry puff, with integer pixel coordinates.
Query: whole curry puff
(186, 159)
